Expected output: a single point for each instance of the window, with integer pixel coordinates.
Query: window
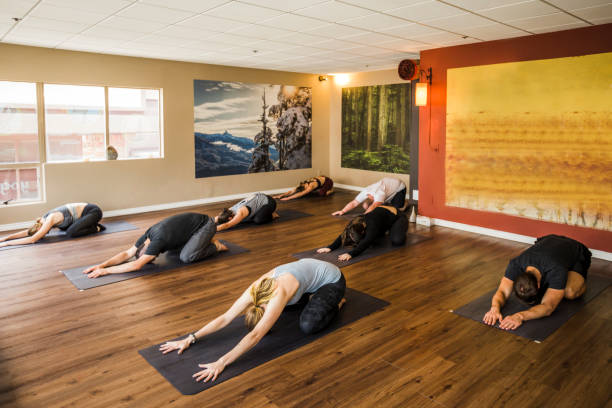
(133, 122)
(75, 123)
(19, 142)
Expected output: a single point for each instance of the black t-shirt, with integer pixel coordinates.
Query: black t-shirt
(378, 222)
(554, 256)
(171, 233)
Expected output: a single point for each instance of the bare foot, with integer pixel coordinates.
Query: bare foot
(220, 246)
(342, 302)
(329, 192)
(275, 215)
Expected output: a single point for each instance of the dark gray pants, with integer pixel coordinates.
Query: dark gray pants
(87, 224)
(322, 306)
(397, 232)
(199, 245)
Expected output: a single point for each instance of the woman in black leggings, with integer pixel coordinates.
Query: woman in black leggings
(77, 219)
(318, 284)
(363, 230)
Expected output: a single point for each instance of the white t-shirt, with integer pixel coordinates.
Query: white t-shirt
(382, 190)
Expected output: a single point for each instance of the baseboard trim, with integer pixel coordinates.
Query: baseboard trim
(157, 207)
(607, 256)
(348, 187)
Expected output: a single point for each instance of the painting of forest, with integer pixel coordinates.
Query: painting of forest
(244, 128)
(376, 128)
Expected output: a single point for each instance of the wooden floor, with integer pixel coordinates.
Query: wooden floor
(61, 347)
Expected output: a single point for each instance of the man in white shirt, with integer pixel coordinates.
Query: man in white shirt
(389, 191)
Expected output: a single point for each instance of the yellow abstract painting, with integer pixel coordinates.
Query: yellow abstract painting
(532, 139)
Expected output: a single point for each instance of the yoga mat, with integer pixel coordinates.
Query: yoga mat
(284, 337)
(285, 214)
(538, 329)
(165, 262)
(380, 247)
(56, 235)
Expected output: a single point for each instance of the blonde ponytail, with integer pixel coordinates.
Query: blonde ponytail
(260, 295)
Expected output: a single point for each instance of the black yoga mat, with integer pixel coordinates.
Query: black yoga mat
(538, 329)
(165, 262)
(285, 214)
(56, 235)
(284, 337)
(380, 247)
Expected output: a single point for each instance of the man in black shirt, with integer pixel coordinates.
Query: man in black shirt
(191, 233)
(553, 268)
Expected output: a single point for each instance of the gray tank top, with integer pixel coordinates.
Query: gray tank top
(254, 202)
(68, 211)
(310, 273)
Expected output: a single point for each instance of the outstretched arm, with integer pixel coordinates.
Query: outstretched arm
(499, 300)
(549, 303)
(241, 215)
(347, 208)
(217, 324)
(274, 309)
(15, 235)
(109, 266)
(46, 227)
(307, 190)
(287, 194)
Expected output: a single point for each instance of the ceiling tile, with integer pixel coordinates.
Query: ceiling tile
(366, 51)
(66, 14)
(92, 42)
(284, 5)
(333, 11)
(381, 5)
(333, 30)
(559, 27)
(211, 23)
(369, 38)
(130, 24)
(334, 44)
(494, 31)
(475, 5)
(459, 22)
(53, 25)
(34, 41)
(277, 46)
(577, 4)
(38, 35)
(400, 45)
(196, 6)
(259, 31)
(437, 39)
(112, 33)
(425, 11)
(243, 12)
(164, 40)
(147, 12)
(233, 39)
(16, 8)
(102, 7)
(604, 20)
(526, 9)
(301, 39)
(410, 30)
(293, 22)
(185, 32)
(540, 22)
(596, 12)
(375, 22)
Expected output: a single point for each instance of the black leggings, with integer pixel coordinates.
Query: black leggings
(87, 223)
(398, 199)
(264, 214)
(322, 306)
(397, 232)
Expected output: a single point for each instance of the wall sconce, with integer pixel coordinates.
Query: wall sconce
(420, 97)
(322, 78)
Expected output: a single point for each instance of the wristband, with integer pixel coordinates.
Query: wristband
(194, 338)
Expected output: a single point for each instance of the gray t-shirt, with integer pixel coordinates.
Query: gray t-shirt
(310, 273)
(253, 202)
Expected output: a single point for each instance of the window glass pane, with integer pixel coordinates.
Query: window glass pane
(18, 123)
(133, 122)
(19, 185)
(75, 122)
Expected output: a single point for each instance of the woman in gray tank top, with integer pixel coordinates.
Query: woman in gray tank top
(76, 219)
(318, 284)
(258, 208)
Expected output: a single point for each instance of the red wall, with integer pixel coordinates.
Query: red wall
(432, 128)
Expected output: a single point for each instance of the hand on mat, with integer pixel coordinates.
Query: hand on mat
(337, 213)
(344, 257)
(97, 273)
(210, 371)
(91, 269)
(180, 345)
(323, 250)
(492, 316)
(511, 322)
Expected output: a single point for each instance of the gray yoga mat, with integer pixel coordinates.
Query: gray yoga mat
(284, 337)
(285, 214)
(380, 247)
(165, 262)
(538, 329)
(57, 235)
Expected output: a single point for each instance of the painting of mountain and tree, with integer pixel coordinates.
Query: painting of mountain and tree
(376, 128)
(244, 128)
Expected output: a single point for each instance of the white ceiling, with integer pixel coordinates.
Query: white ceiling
(313, 36)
